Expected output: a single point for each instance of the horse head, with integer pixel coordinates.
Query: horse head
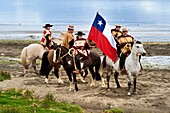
(60, 53)
(57, 54)
(138, 48)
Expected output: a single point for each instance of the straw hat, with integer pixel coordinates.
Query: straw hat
(71, 27)
(117, 25)
(124, 29)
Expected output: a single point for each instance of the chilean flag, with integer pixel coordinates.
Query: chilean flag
(100, 33)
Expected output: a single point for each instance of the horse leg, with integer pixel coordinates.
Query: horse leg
(70, 79)
(129, 83)
(104, 80)
(84, 76)
(25, 71)
(34, 66)
(93, 76)
(26, 67)
(85, 73)
(108, 78)
(75, 81)
(134, 83)
(97, 67)
(56, 70)
(47, 73)
(116, 79)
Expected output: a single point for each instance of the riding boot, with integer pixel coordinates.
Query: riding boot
(122, 63)
(78, 62)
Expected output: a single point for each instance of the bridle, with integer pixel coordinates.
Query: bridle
(61, 57)
(136, 53)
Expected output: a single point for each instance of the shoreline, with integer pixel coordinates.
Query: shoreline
(37, 41)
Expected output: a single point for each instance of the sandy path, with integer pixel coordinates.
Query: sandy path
(153, 89)
(153, 86)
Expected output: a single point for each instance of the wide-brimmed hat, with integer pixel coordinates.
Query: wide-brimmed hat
(71, 27)
(117, 25)
(80, 33)
(124, 29)
(47, 25)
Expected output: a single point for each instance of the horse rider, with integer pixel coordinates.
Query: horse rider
(46, 40)
(126, 41)
(68, 40)
(116, 33)
(81, 47)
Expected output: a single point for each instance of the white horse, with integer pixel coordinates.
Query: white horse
(132, 66)
(29, 55)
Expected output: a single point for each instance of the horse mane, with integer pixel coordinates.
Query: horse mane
(138, 42)
(64, 48)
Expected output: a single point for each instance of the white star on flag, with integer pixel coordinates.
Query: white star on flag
(100, 22)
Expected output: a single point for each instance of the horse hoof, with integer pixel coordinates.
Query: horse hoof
(129, 94)
(92, 84)
(75, 90)
(70, 89)
(83, 81)
(135, 93)
(37, 73)
(46, 80)
(60, 82)
(108, 89)
(103, 86)
(22, 75)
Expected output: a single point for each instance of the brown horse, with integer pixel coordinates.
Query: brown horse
(63, 56)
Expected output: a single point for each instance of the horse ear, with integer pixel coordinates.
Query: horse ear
(134, 41)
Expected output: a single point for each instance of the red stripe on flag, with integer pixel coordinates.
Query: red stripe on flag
(102, 43)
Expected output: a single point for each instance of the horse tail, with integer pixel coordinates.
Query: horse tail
(45, 64)
(24, 57)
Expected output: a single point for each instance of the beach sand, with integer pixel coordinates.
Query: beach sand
(153, 85)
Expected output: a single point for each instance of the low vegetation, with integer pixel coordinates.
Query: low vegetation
(4, 76)
(114, 110)
(22, 101)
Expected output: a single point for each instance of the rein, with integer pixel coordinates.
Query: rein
(61, 57)
(68, 53)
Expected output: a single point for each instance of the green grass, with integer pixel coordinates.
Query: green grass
(4, 76)
(114, 110)
(22, 101)
(5, 61)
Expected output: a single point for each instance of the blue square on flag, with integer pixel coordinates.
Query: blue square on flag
(99, 23)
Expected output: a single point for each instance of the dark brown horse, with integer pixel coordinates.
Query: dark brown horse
(63, 56)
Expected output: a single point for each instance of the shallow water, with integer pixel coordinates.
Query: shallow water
(153, 62)
(156, 62)
(147, 20)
